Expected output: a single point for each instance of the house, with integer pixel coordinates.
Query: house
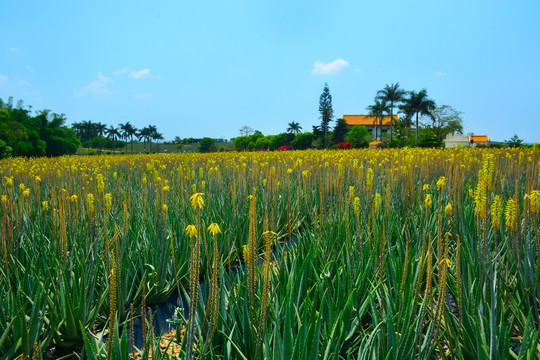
(371, 122)
(456, 140)
(377, 145)
(476, 140)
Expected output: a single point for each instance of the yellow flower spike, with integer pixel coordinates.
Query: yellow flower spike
(197, 201)
(535, 201)
(351, 192)
(22, 187)
(164, 208)
(289, 171)
(471, 193)
(166, 188)
(269, 232)
(264, 182)
(191, 230)
(4, 199)
(377, 202)
(425, 187)
(45, 205)
(440, 183)
(214, 229)
(356, 205)
(510, 214)
(73, 198)
(108, 201)
(26, 193)
(144, 180)
(115, 176)
(428, 202)
(496, 212)
(245, 252)
(203, 185)
(448, 209)
(37, 179)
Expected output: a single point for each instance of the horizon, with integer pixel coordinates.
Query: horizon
(264, 65)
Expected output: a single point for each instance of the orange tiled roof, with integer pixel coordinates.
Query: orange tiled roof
(367, 120)
(479, 138)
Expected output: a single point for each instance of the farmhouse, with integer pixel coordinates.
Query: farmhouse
(456, 140)
(371, 122)
(476, 140)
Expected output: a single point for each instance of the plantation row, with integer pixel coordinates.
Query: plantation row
(398, 254)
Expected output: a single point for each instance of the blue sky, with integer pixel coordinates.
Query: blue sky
(198, 69)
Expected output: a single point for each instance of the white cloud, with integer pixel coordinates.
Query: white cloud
(141, 74)
(357, 70)
(121, 72)
(142, 96)
(329, 68)
(439, 73)
(30, 69)
(14, 83)
(97, 87)
(14, 49)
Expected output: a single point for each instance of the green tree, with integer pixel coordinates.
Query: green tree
(358, 136)
(392, 94)
(207, 145)
(302, 141)
(5, 150)
(444, 120)
(378, 110)
(294, 127)
(326, 111)
(112, 133)
(340, 131)
(100, 128)
(514, 141)
(420, 104)
(263, 143)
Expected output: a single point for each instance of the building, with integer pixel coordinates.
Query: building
(476, 140)
(371, 122)
(456, 140)
(377, 145)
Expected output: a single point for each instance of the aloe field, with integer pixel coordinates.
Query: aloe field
(340, 254)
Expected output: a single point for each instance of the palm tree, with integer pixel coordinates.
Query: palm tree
(157, 136)
(392, 94)
(88, 129)
(378, 110)
(113, 133)
(420, 104)
(130, 132)
(100, 129)
(152, 131)
(406, 120)
(294, 127)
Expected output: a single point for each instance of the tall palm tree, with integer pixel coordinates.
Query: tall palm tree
(124, 131)
(294, 127)
(157, 136)
(391, 94)
(130, 132)
(100, 129)
(88, 129)
(406, 120)
(152, 131)
(378, 110)
(112, 133)
(420, 104)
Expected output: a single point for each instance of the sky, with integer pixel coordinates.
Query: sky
(207, 68)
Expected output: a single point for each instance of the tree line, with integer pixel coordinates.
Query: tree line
(98, 135)
(41, 134)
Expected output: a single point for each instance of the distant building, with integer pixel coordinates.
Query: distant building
(456, 140)
(371, 122)
(476, 140)
(377, 145)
